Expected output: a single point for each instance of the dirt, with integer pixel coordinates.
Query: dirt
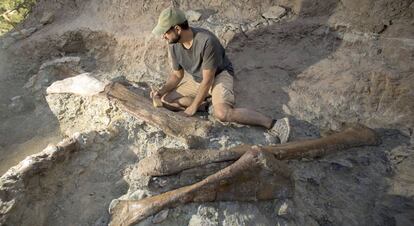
(324, 64)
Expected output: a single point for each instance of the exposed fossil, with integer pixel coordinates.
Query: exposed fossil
(257, 175)
(189, 129)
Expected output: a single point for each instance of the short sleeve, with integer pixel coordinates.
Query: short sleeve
(174, 63)
(211, 58)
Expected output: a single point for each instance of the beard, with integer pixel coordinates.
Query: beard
(175, 39)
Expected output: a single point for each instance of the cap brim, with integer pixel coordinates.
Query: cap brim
(159, 30)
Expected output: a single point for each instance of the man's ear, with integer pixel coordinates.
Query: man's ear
(177, 29)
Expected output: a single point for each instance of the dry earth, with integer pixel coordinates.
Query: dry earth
(322, 63)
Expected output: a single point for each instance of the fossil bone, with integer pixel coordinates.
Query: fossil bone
(171, 161)
(257, 175)
(189, 129)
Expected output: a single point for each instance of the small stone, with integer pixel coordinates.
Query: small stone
(210, 19)
(192, 15)
(15, 35)
(27, 32)
(284, 208)
(274, 12)
(244, 28)
(160, 217)
(47, 18)
(286, 109)
(233, 27)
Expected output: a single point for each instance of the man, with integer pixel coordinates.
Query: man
(199, 53)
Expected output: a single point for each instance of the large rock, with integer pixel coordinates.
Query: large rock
(53, 70)
(83, 84)
(274, 12)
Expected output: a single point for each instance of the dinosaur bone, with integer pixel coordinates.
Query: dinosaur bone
(191, 130)
(170, 161)
(257, 175)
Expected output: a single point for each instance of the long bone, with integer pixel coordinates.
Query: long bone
(171, 161)
(257, 174)
(189, 129)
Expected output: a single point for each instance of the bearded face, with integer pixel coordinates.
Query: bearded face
(172, 36)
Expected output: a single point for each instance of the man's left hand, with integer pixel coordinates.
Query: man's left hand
(190, 111)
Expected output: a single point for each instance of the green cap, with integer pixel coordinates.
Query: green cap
(169, 17)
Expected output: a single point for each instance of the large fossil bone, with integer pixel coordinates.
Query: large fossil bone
(190, 129)
(171, 161)
(257, 175)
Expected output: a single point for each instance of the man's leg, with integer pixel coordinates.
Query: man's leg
(183, 96)
(223, 102)
(174, 101)
(227, 113)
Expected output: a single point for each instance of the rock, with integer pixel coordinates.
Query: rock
(29, 31)
(83, 84)
(160, 217)
(24, 33)
(274, 12)
(284, 208)
(206, 216)
(47, 18)
(197, 220)
(60, 61)
(53, 70)
(244, 28)
(192, 15)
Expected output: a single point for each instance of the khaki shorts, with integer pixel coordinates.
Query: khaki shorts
(221, 91)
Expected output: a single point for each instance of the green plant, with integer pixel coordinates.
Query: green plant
(13, 12)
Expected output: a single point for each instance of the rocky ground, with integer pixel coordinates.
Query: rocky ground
(322, 63)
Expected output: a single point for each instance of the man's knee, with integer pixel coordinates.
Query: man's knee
(166, 98)
(223, 113)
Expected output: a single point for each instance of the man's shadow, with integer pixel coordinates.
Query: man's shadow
(267, 60)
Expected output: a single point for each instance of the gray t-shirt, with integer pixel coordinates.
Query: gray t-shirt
(206, 52)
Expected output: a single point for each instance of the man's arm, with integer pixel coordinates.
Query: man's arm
(205, 85)
(173, 80)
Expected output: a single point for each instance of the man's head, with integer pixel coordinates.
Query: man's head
(171, 23)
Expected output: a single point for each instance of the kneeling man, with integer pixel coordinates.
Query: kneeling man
(201, 69)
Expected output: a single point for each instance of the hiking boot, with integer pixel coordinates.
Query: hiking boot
(281, 129)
